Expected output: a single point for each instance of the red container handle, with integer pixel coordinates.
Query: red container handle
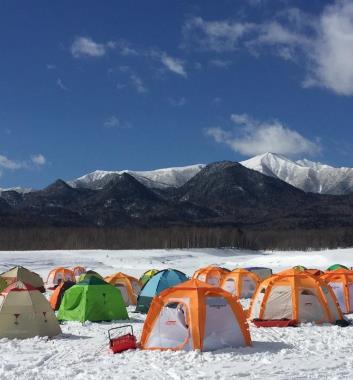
(118, 328)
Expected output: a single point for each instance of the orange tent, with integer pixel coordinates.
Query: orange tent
(58, 294)
(195, 315)
(211, 274)
(78, 271)
(341, 282)
(315, 272)
(240, 282)
(129, 286)
(58, 275)
(296, 296)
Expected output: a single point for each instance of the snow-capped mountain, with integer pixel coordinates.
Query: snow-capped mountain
(304, 174)
(160, 178)
(18, 189)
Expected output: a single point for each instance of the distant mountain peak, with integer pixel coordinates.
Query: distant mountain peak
(57, 186)
(159, 178)
(304, 174)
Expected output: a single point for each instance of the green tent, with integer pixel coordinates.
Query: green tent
(337, 266)
(89, 274)
(147, 275)
(92, 300)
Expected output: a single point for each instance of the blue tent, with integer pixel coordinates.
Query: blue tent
(163, 279)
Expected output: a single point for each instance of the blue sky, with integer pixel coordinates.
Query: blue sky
(111, 85)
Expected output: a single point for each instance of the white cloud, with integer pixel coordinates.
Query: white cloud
(61, 84)
(38, 159)
(50, 66)
(322, 44)
(220, 63)
(125, 48)
(219, 36)
(177, 102)
(331, 59)
(85, 46)
(175, 65)
(114, 122)
(252, 137)
(9, 164)
(138, 84)
(6, 163)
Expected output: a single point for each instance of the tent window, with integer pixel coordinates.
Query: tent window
(216, 302)
(172, 305)
(307, 292)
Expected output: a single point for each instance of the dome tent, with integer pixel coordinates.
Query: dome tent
(312, 271)
(147, 275)
(315, 272)
(211, 274)
(92, 300)
(89, 274)
(240, 283)
(26, 313)
(294, 296)
(24, 275)
(195, 315)
(129, 286)
(336, 266)
(162, 280)
(78, 270)
(341, 282)
(58, 275)
(261, 272)
(58, 294)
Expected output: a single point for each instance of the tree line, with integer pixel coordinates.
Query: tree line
(69, 238)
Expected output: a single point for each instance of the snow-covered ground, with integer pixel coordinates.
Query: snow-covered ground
(81, 352)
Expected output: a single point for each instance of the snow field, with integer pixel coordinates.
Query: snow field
(81, 352)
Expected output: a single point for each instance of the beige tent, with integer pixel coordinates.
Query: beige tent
(22, 274)
(25, 313)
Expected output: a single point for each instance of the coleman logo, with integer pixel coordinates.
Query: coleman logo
(169, 323)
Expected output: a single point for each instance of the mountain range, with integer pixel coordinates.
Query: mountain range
(219, 194)
(304, 174)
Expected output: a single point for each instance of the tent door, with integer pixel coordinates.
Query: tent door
(222, 328)
(310, 309)
(248, 288)
(230, 286)
(171, 329)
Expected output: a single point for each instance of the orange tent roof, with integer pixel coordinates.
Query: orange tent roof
(210, 274)
(78, 270)
(131, 285)
(58, 275)
(240, 282)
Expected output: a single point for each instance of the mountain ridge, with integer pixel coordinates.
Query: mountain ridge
(304, 174)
